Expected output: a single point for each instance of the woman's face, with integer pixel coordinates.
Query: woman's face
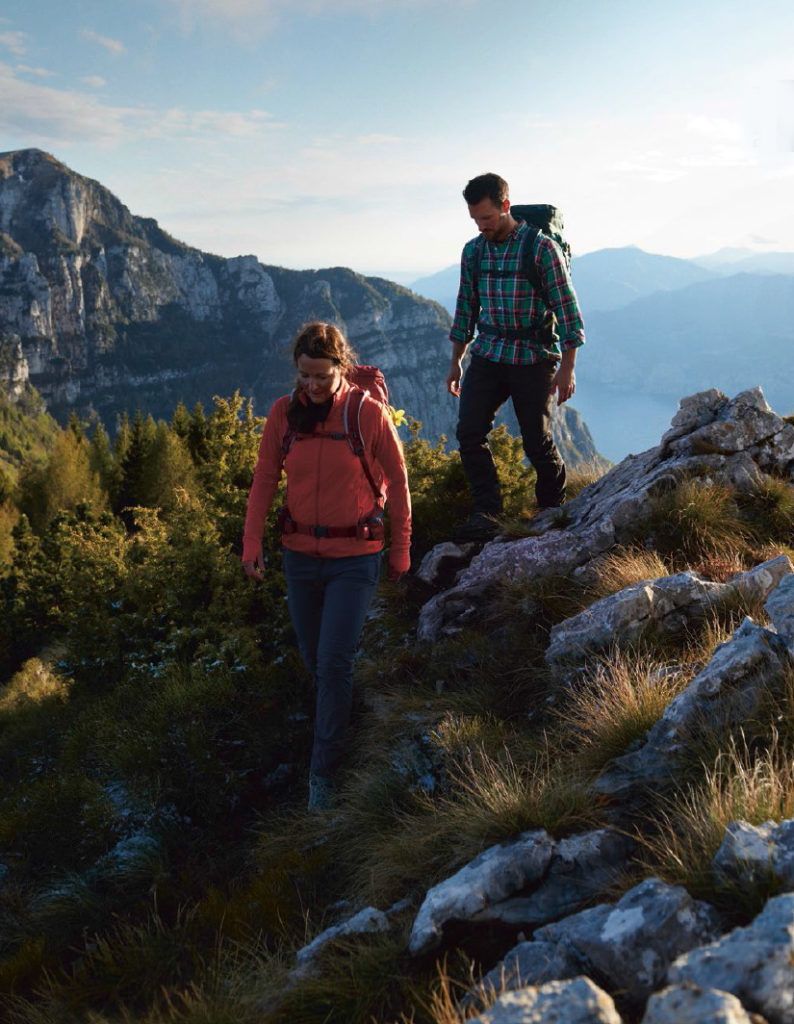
(319, 378)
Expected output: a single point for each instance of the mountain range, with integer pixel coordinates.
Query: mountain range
(103, 312)
(660, 327)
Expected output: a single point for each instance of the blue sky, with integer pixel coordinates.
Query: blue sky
(341, 132)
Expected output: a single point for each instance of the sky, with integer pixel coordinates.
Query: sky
(317, 133)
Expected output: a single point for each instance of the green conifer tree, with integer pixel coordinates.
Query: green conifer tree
(134, 463)
(168, 469)
(121, 441)
(198, 435)
(180, 421)
(65, 481)
(103, 462)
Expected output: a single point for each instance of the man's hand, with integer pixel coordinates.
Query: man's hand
(455, 369)
(563, 383)
(453, 379)
(255, 570)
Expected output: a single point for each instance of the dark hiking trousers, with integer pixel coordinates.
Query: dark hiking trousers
(486, 387)
(328, 600)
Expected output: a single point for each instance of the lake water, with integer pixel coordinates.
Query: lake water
(622, 423)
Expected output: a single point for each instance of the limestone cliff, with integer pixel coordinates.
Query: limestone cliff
(102, 311)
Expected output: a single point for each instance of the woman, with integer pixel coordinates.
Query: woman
(332, 526)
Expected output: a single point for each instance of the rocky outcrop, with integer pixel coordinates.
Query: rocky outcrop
(103, 311)
(756, 963)
(570, 1002)
(710, 437)
(668, 606)
(496, 874)
(660, 954)
(522, 884)
(690, 1004)
(750, 854)
(730, 689)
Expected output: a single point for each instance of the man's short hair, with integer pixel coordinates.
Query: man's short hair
(486, 186)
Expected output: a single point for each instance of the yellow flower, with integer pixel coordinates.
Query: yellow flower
(397, 415)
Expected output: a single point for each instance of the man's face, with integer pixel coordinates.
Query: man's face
(492, 219)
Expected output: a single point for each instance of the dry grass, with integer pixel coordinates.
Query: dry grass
(700, 519)
(624, 696)
(623, 567)
(486, 798)
(449, 999)
(582, 477)
(743, 785)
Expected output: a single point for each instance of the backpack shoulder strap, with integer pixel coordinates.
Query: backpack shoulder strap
(527, 258)
(288, 440)
(479, 247)
(351, 420)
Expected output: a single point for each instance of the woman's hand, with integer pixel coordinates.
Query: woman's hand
(393, 574)
(255, 570)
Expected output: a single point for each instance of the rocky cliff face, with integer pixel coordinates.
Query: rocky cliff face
(103, 311)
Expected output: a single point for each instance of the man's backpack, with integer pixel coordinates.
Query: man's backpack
(541, 218)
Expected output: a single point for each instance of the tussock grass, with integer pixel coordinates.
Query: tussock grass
(626, 693)
(487, 799)
(623, 567)
(451, 997)
(743, 784)
(357, 982)
(768, 508)
(697, 520)
(235, 984)
(580, 478)
(178, 710)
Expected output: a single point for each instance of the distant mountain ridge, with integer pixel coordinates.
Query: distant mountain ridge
(612, 278)
(103, 311)
(661, 326)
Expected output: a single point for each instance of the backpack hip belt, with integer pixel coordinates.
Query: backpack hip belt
(369, 528)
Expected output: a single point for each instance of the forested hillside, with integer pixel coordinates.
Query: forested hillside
(155, 724)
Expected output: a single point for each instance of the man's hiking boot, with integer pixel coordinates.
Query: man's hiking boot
(479, 526)
(321, 793)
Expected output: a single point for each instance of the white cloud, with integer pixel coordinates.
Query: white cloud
(376, 139)
(13, 41)
(94, 81)
(250, 18)
(210, 124)
(38, 72)
(717, 129)
(51, 117)
(113, 46)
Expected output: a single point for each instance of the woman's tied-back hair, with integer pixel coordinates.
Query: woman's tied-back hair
(320, 340)
(317, 340)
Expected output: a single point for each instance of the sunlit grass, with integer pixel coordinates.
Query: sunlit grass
(743, 784)
(622, 567)
(616, 704)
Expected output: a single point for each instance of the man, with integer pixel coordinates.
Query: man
(520, 352)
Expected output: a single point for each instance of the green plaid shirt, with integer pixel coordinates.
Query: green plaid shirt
(508, 301)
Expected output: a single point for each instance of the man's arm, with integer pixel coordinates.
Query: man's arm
(463, 322)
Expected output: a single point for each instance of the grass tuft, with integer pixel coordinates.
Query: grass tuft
(742, 785)
(615, 706)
